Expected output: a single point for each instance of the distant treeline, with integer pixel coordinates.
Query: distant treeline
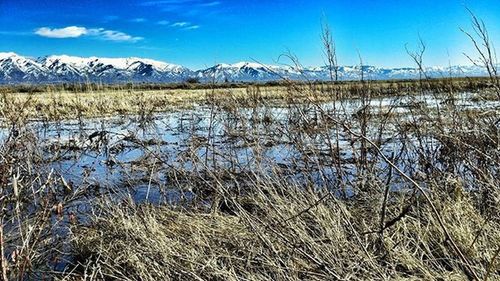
(467, 83)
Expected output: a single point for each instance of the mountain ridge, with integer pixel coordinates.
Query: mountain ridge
(17, 69)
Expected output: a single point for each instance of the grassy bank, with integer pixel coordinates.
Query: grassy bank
(64, 102)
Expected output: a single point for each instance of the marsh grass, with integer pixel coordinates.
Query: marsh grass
(56, 103)
(282, 233)
(422, 207)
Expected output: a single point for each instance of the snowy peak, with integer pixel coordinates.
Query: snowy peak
(14, 67)
(253, 65)
(5, 55)
(62, 68)
(63, 59)
(117, 63)
(248, 72)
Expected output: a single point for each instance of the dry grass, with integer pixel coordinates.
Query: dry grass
(69, 105)
(268, 235)
(410, 196)
(58, 104)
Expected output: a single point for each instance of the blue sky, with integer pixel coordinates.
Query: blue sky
(199, 33)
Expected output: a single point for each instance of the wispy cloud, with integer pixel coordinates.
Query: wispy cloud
(113, 35)
(182, 5)
(163, 22)
(138, 20)
(210, 4)
(167, 2)
(185, 25)
(180, 24)
(79, 31)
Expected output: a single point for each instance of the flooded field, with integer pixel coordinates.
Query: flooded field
(137, 154)
(209, 156)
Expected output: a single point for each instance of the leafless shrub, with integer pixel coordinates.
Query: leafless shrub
(485, 49)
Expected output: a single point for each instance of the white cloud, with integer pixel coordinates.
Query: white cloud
(163, 22)
(185, 25)
(192, 27)
(78, 31)
(67, 32)
(180, 24)
(112, 35)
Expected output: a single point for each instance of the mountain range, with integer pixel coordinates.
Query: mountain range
(16, 69)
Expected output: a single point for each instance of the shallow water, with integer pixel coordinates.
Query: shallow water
(132, 153)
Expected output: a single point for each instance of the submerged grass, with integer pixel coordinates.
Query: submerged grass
(410, 195)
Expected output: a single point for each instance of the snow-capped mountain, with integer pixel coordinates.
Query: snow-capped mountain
(16, 69)
(53, 69)
(247, 71)
(68, 68)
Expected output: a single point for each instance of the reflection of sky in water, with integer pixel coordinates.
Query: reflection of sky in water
(131, 149)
